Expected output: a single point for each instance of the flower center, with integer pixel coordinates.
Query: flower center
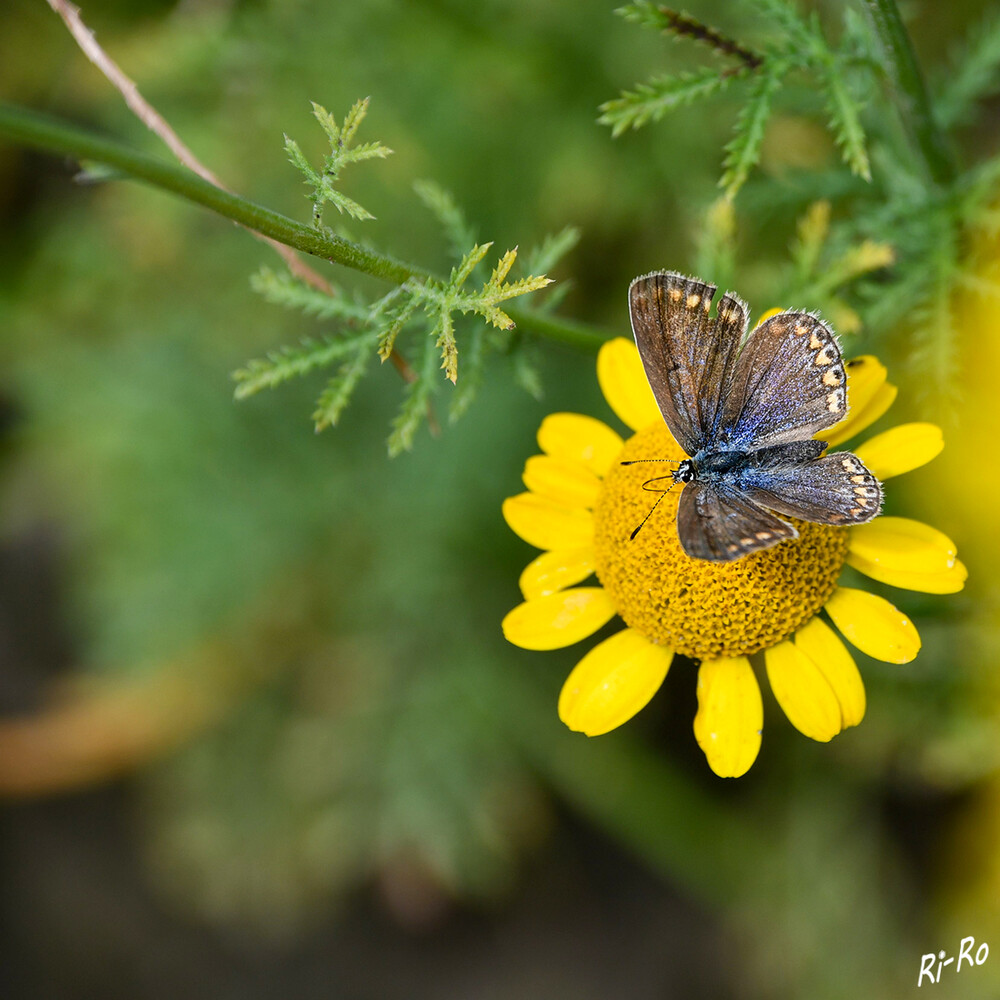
(700, 608)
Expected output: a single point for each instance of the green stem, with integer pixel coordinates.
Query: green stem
(31, 129)
(910, 89)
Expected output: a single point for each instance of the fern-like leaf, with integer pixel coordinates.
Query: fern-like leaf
(393, 322)
(445, 343)
(812, 230)
(473, 366)
(287, 363)
(457, 230)
(337, 394)
(845, 123)
(414, 409)
(526, 373)
(342, 152)
(785, 15)
(651, 101)
(285, 290)
(542, 258)
(743, 151)
(975, 73)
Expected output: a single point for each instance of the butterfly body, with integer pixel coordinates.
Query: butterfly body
(745, 408)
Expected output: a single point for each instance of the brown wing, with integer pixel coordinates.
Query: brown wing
(787, 384)
(687, 356)
(721, 525)
(834, 489)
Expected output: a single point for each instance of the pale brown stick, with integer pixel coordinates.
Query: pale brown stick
(157, 124)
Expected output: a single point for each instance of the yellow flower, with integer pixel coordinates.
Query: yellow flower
(581, 507)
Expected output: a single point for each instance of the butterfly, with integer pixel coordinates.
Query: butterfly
(745, 407)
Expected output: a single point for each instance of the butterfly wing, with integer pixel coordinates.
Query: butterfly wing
(787, 384)
(688, 357)
(721, 524)
(834, 489)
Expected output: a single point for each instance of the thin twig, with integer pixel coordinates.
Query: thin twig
(37, 131)
(683, 24)
(157, 124)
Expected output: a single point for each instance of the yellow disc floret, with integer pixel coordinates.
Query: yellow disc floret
(699, 608)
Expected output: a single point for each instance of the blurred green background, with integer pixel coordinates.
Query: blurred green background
(263, 737)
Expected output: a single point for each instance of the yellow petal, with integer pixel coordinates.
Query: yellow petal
(568, 483)
(553, 571)
(559, 619)
(802, 691)
(579, 438)
(901, 449)
(730, 715)
(884, 397)
(865, 376)
(625, 386)
(612, 682)
(548, 525)
(902, 544)
(945, 581)
(820, 643)
(874, 625)
(854, 423)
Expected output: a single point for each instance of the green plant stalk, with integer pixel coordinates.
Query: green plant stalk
(28, 128)
(910, 90)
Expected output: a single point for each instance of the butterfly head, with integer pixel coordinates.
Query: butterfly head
(686, 472)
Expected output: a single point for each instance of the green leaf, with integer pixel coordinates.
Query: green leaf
(415, 402)
(460, 274)
(340, 388)
(974, 73)
(526, 373)
(812, 230)
(457, 230)
(298, 160)
(354, 118)
(651, 101)
(845, 123)
(286, 363)
(445, 343)
(743, 150)
(286, 290)
(541, 259)
(473, 366)
(393, 322)
(323, 184)
(645, 14)
(785, 15)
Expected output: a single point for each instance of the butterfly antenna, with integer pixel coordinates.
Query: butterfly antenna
(637, 461)
(662, 493)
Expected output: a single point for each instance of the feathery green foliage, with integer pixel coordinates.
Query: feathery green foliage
(431, 305)
(800, 45)
(743, 150)
(342, 152)
(974, 73)
(373, 747)
(649, 102)
(894, 256)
